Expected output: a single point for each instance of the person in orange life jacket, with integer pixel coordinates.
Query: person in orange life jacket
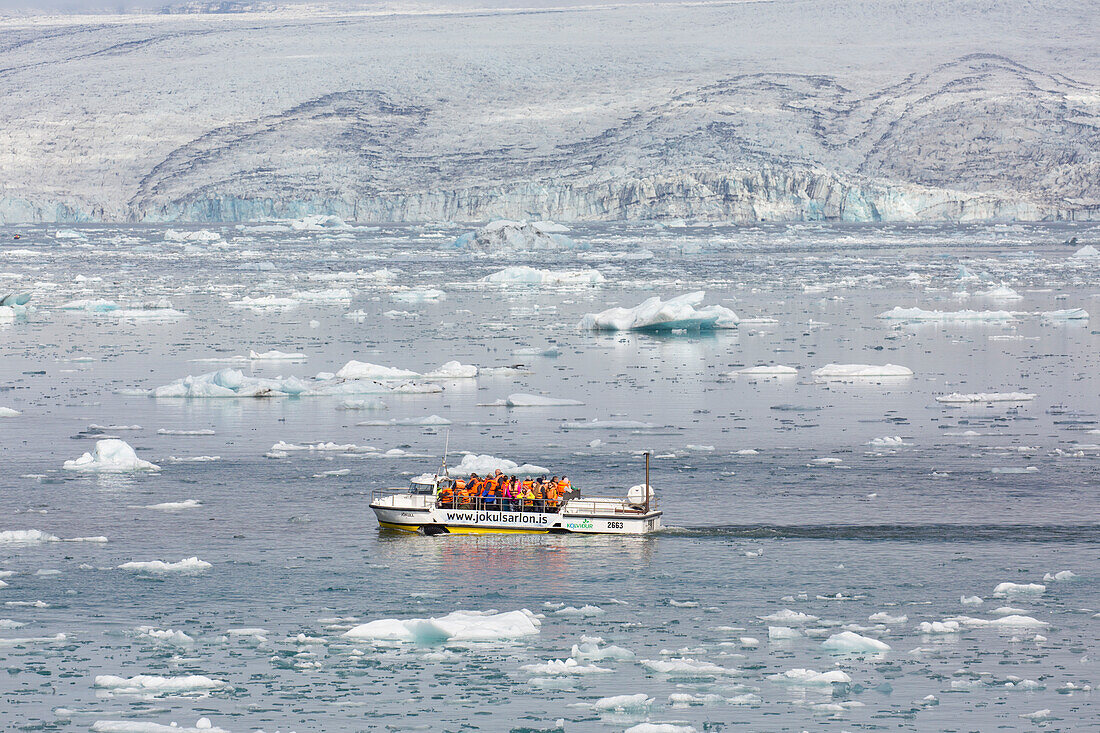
(446, 497)
(507, 495)
(488, 494)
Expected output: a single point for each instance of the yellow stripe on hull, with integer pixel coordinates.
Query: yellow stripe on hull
(492, 530)
(400, 527)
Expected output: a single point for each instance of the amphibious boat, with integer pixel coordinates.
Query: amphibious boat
(418, 508)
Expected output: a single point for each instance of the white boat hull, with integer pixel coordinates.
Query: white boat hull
(587, 517)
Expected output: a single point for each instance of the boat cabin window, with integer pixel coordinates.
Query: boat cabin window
(417, 487)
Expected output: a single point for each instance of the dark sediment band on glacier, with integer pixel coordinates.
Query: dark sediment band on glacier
(1082, 533)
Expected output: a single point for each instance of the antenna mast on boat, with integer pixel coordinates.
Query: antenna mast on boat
(647, 482)
(446, 449)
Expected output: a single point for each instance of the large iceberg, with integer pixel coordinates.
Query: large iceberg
(457, 626)
(504, 235)
(111, 455)
(486, 464)
(679, 313)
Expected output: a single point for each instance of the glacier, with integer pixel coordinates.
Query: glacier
(319, 116)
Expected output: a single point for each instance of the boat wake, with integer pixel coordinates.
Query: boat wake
(1087, 533)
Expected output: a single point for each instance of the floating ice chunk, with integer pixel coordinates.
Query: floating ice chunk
(918, 314)
(486, 464)
(597, 424)
(589, 650)
(783, 632)
(199, 236)
(959, 398)
(1039, 715)
(861, 371)
(504, 235)
(456, 626)
(790, 617)
(373, 404)
(675, 314)
(428, 421)
(276, 356)
(849, 641)
(90, 304)
(265, 302)
(884, 618)
(365, 370)
(764, 370)
(971, 601)
(318, 223)
(174, 506)
(29, 640)
(9, 412)
(283, 446)
(186, 566)
(149, 314)
(1010, 590)
(661, 728)
(1001, 292)
(530, 276)
(624, 703)
(887, 441)
(939, 627)
(809, 677)
(169, 636)
(1086, 252)
(1068, 314)
(133, 726)
(110, 456)
(534, 400)
(1006, 622)
(422, 295)
(144, 683)
(564, 667)
(585, 610)
(26, 537)
(685, 667)
(329, 295)
(452, 370)
(1060, 576)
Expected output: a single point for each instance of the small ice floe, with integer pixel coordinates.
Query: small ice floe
(372, 404)
(687, 668)
(1067, 314)
(168, 636)
(324, 447)
(94, 305)
(789, 617)
(810, 678)
(421, 295)
(851, 642)
(203, 725)
(887, 441)
(959, 398)
(971, 601)
(168, 431)
(110, 456)
(1001, 292)
(265, 302)
(589, 650)
(861, 371)
(585, 611)
(676, 314)
(9, 412)
(638, 703)
(428, 421)
(32, 640)
(174, 506)
(1004, 622)
(884, 618)
(1088, 252)
(456, 626)
(504, 235)
(1013, 590)
(661, 728)
(377, 372)
(485, 464)
(597, 424)
(276, 356)
(917, 314)
(1061, 576)
(149, 314)
(521, 399)
(782, 633)
(564, 667)
(524, 275)
(939, 627)
(765, 371)
(328, 295)
(186, 566)
(155, 685)
(197, 236)
(1039, 715)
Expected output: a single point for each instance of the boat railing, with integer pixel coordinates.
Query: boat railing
(412, 501)
(601, 505)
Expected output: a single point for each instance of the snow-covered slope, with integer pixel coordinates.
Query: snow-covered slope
(791, 109)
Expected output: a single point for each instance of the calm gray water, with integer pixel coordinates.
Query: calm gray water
(775, 495)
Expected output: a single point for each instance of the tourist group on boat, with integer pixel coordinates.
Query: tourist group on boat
(500, 492)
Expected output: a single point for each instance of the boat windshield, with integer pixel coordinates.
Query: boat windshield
(422, 487)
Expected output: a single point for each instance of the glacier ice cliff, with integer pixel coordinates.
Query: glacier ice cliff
(871, 110)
